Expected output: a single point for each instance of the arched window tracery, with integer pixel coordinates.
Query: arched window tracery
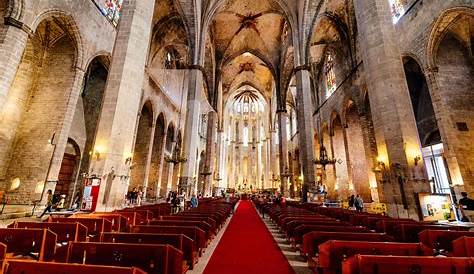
(330, 76)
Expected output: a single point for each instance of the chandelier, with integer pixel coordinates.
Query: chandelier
(175, 157)
(324, 160)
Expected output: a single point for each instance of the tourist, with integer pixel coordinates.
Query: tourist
(359, 203)
(194, 201)
(351, 201)
(49, 203)
(466, 205)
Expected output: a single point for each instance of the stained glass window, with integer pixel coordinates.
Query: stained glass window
(110, 9)
(398, 9)
(245, 136)
(330, 76)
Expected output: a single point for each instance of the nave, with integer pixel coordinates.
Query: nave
(229, 236)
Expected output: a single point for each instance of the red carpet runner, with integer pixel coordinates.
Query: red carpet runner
(247, 247)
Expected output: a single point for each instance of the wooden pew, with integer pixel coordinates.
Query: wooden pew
(147, 214)
(463, 247)
(95, 226)
(3, 254)
(373, 264)
(301, 230)
(208, 220)
(388, 226)
(195, 233)
(201, 224)
(32, 267)
(39, 244)
(441, 240)
(65, 232)
(408, 233)
(312, 240)
(291, 226)
(152, 258)
(134, 217)
(332, 253)
(179, 241)
(119, 222)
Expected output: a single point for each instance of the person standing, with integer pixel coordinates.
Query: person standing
(466, 205)
(359, 203)
(49, 203)
(194, 201)
(351, 202)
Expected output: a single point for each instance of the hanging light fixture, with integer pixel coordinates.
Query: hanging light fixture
(324, 160)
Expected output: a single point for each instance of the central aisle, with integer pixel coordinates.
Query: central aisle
(247, 247)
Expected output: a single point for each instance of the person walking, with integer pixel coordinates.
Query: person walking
(49, 203)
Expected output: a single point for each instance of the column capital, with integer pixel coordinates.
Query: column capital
(301, 67)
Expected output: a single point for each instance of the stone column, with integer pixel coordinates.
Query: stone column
(122, 100)
(221, 159)
(191, 131)
(453, 147)
(282, 117)
(210, 152)
(304, 111)
(395, 128)
(14, 40)
(158, 173)
(148, 159)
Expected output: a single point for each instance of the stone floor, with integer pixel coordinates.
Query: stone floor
(296, 261)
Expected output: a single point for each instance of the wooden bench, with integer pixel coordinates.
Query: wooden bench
(179, 241)
(195, 233)
(208, 220)
(441, 240)
(301, 230)
(408, 233)
(32, 267)
(388, 226)
(65, 232)
(201, 224)
(95, 226)
(291, 226)
(332, 253)
(39, 244)
(152, 258)
(463, 247)
(312, 240)
(134, 217)
(373, 264)
(119, 222)
(147, 214)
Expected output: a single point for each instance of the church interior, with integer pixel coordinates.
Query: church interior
(237, 136)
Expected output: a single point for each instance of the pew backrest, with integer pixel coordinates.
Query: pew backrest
(152, 258)
(65, 231)
(373, 264)
(463, 247)
(31, 267)
(28, 242)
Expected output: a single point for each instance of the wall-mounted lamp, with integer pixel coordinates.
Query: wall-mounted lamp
(417, 159)
(97, 151)
(128, 158)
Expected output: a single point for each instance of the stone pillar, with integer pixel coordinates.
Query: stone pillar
(13, 42)
(395, 128)
(122, 100)
(304, 112)
(282, 117)
(191, 132)
(221, 159)
(210, 152)
(156, 175)
(148, 159)
(453, 147)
